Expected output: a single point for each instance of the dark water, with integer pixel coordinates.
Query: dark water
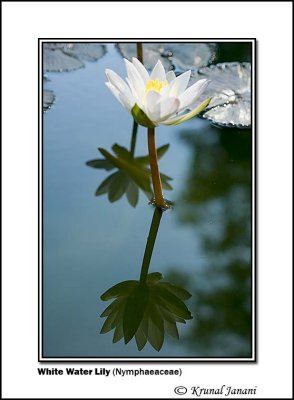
(204, 243)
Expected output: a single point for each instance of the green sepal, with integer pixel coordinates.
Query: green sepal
(141, 118)
(189, 115)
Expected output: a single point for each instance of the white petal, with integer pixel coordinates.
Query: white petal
(152, 105)
(117, 81)
(184, 117)
(125, 101)
(135, 78)
(141, 69)
(193, 93)
(178, 85)
(158, 72)
(168, 107)
(170, 76)
(134, 93)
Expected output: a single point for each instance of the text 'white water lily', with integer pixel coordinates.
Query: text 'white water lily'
(161, 98)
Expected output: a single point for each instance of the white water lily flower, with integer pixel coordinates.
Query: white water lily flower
(161, 98)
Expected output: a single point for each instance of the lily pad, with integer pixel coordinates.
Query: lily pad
(59, 57)
(178, 56)
(230, 89)
(48, 99)
(191, 55)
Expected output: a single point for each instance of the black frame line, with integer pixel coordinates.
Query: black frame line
(143, 360)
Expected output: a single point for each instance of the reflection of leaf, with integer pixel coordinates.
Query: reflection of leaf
(134, 311)
(145, 311)
(160, 152)
(100, 164)
(132, 175)
(132, 193)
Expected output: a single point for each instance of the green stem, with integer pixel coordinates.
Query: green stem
(155, 175)
(150, 244)
(134, 138)
(140, 52)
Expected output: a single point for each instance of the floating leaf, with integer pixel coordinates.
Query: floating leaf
(179, 56)
(48, 99)
(55, 60)
(59, 57)
(230, 89)
(85, 51)
(191, 55)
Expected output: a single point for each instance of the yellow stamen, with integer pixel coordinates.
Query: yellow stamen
(155, 85)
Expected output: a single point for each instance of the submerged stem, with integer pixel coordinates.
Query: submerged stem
(150, 244)
(155, 175)
(134, 138)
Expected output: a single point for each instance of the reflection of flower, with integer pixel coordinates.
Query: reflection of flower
(160, 98)
(131, 176)
(145, 311)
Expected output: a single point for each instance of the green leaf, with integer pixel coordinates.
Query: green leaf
(103, 188)
(134, 311)
(181, 293)
(121, 289)
(101, 164)
(141, 118)
(132, 193)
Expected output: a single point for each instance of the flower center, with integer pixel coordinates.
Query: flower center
(155, 85)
